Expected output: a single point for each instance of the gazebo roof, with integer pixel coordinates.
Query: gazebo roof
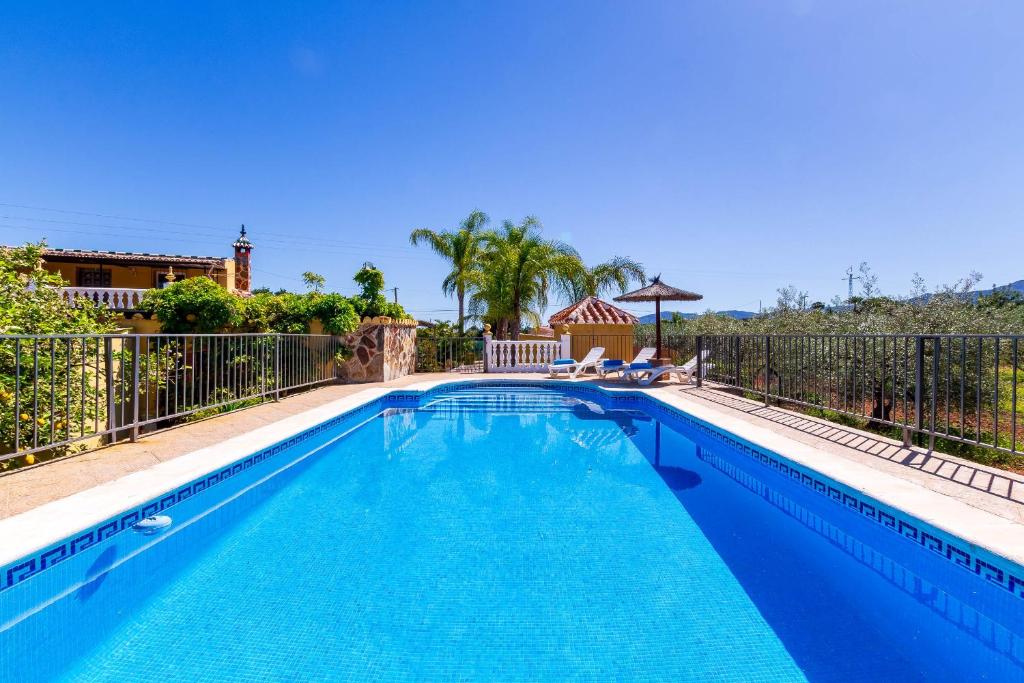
(592, 311)
(659, 290)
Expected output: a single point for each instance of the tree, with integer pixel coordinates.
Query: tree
(517, 267)
(314, 281)
(43, 380)
(371, 302)
(459, 248)
(604, 278)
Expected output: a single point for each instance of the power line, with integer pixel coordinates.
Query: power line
(289, 237)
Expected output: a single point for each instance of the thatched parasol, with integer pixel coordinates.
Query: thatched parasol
(656, 292)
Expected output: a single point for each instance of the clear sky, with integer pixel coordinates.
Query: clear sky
(735, 147)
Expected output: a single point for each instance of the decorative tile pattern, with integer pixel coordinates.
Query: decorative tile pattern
(969, 620)
(31, 565)
(996, 570)
(993, 569)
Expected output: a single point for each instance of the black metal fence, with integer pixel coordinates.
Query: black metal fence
(64, 392)
(449, 354)
(959, 387)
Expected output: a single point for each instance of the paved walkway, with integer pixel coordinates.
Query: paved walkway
(986, 488)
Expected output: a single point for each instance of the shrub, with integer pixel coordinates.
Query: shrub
(31, 302)
(194, 305)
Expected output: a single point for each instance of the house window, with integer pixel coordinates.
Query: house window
(93, 277)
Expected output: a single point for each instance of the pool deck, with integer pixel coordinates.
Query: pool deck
(980, 504)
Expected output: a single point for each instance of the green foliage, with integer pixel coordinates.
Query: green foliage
(506, 274)
(31, 302)
(314, 281)
(518, 267)
(606, 278)
(194, 305)
(371, 302)
(335, 312)
(460, 249)
(442, 347)
(290, 313)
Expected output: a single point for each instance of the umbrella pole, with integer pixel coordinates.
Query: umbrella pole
(657, 326)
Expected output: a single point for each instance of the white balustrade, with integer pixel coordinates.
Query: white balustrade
(115, 298)
(521, 356)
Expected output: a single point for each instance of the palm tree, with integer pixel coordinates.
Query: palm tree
(517, 267)
(460, 248)
(604, 278)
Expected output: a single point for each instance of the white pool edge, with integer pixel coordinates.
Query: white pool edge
(31, 531)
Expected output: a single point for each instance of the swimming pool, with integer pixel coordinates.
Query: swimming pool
(513, 532)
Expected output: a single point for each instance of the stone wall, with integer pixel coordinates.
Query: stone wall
(382, 349)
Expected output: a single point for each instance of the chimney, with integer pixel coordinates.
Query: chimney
(243, 258)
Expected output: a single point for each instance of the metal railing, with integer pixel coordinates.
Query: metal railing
(963, 388)
(59, 393)
(449, 354)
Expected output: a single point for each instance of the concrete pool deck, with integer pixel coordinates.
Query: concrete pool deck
(980, 504)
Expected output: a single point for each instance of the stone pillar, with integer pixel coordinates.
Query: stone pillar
(487, 346)
(382, 349)
(566, 341)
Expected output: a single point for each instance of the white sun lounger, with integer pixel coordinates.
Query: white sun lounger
(645, 354)
(575, 368)
(687, 370)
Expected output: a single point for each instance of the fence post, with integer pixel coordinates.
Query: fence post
(135, 390)
(936, 354)
(918, 382)
(277, 367)
(739, 365)
(487, 348)
(565, 349)
(700, 360)
(108, 362)
(767, 365)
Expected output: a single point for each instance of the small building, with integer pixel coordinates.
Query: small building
(120, 278)
(593, 322)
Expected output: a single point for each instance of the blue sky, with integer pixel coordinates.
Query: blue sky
(735, 147)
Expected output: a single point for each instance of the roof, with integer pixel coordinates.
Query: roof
(592, 311)
(242, 242)
(659, 290)
(133, 258)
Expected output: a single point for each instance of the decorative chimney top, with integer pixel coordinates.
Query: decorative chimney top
(243, 262)
(242, 242)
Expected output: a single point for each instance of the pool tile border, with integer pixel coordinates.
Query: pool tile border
(905, 525)
(27, 567)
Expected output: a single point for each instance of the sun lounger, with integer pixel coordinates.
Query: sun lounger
(574, 368)
(606, 367)
(687, 370)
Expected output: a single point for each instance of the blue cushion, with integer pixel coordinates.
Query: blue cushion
(563, 361)
(613, 363)
(640, 366)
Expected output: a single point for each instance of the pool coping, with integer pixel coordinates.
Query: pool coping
(27, 533)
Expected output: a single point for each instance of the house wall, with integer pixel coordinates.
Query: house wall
(135, 277)
(617, 340)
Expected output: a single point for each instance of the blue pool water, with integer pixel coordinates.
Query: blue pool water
(512, 534)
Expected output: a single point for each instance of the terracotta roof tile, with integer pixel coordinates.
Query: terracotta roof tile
(134, 257)
(592, 311)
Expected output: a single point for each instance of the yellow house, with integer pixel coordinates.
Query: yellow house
(593, 322)
(120, 278)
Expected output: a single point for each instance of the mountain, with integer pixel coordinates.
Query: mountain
(667, 315)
